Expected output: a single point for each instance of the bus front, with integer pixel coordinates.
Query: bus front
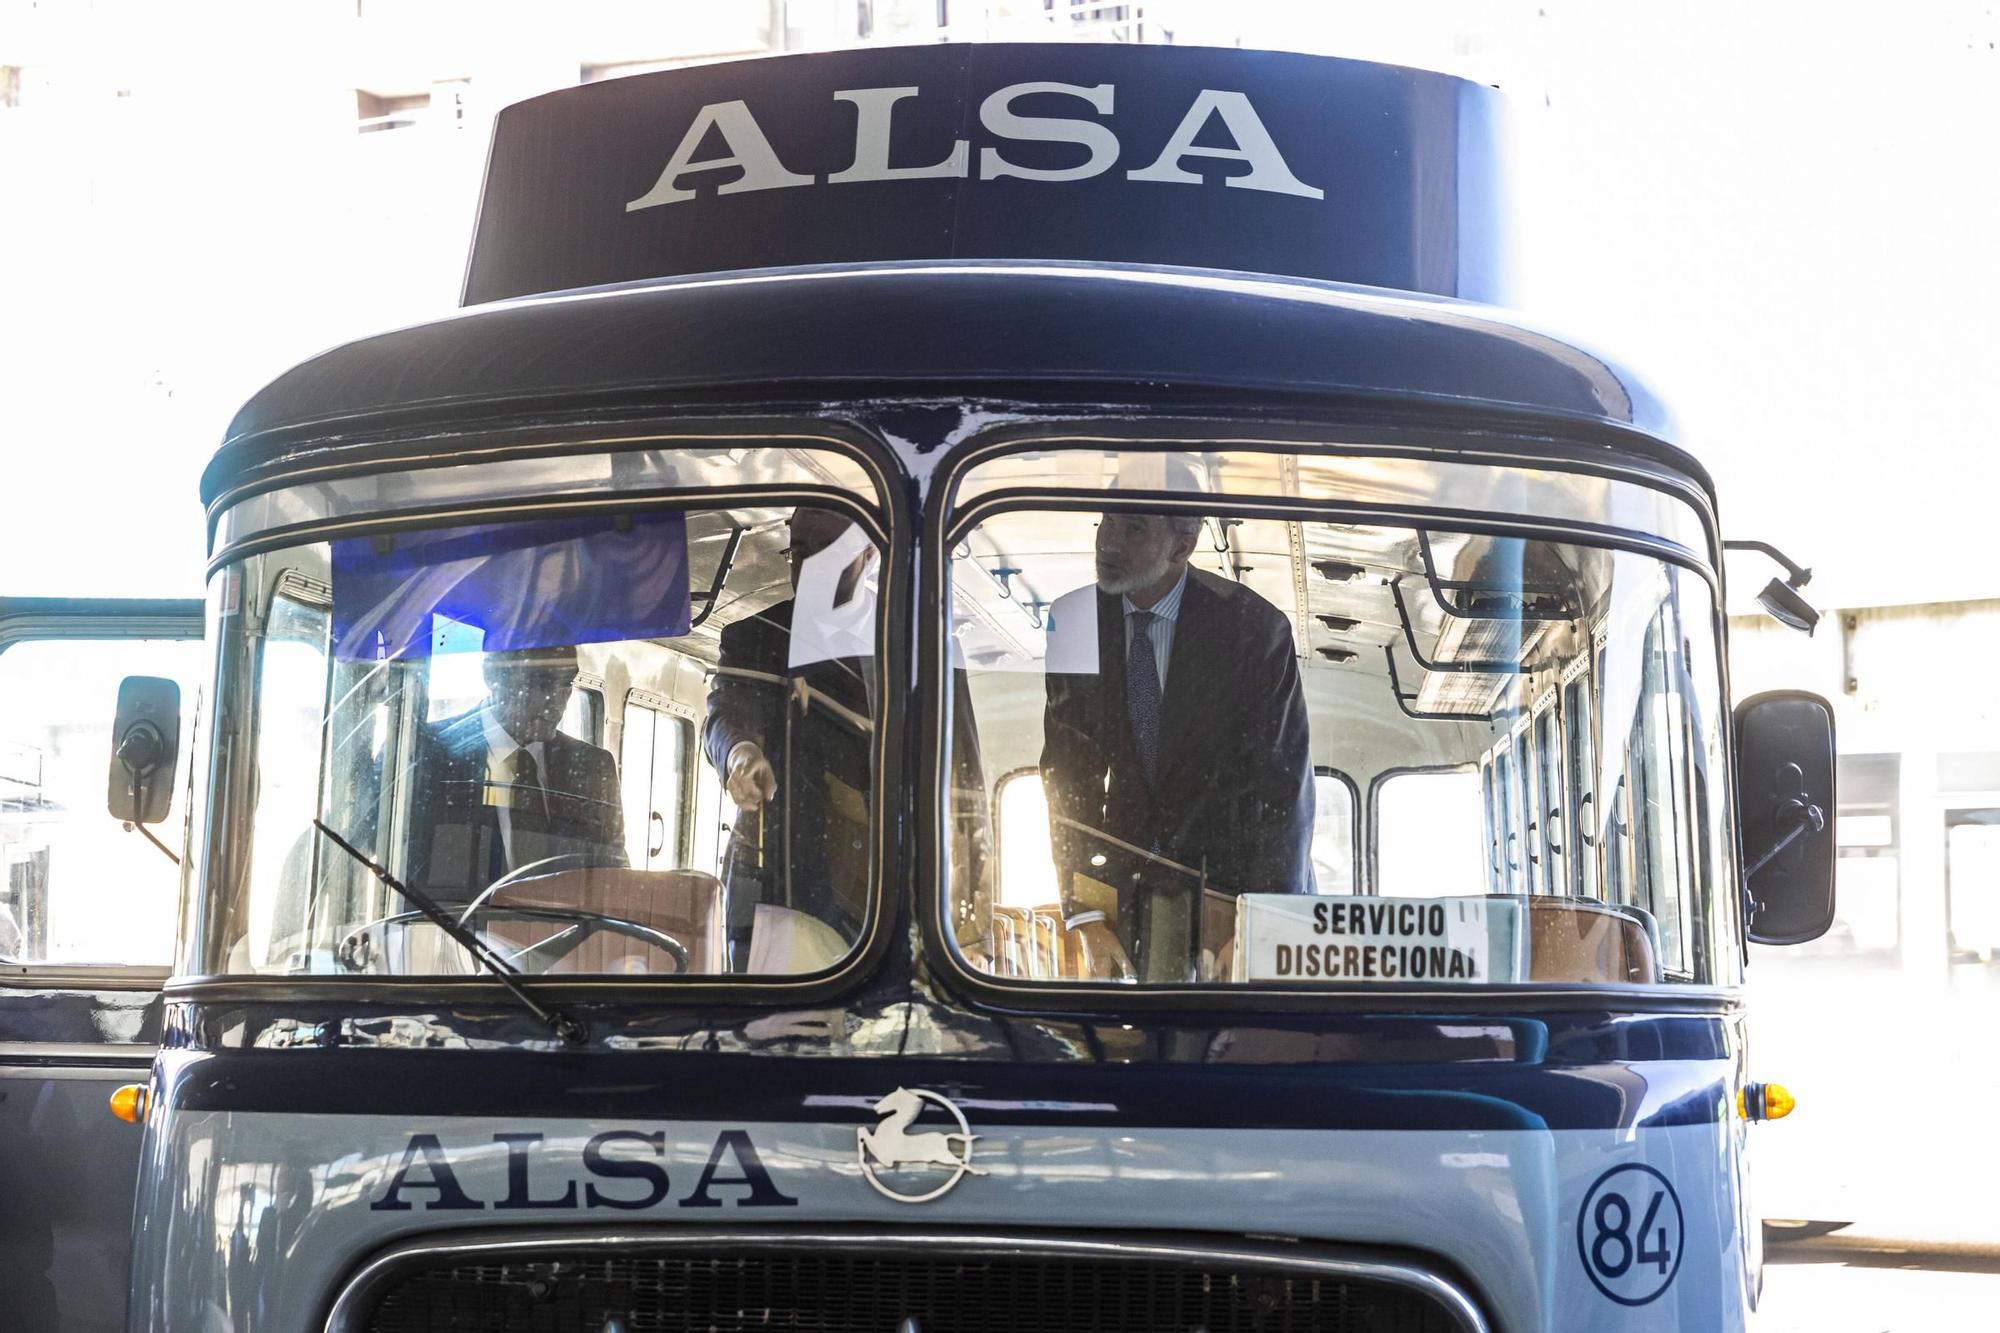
(770, 774)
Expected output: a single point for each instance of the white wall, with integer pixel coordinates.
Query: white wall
(1911, 681)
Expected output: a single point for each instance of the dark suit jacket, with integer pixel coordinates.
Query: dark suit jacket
(810, 746)
(452, 835)
(808, 857)
(1234, 796)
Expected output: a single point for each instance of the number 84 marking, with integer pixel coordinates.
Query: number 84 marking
(1631, 1266)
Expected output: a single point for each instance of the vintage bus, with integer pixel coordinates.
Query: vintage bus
(981, 687)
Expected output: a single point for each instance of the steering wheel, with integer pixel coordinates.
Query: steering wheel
(352, 951)
(594, 859)
(584, 925)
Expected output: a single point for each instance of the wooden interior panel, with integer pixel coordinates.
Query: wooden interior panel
(1581, 940)
(685, 904)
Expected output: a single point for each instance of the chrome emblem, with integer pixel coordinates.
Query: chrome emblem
(893, 1148)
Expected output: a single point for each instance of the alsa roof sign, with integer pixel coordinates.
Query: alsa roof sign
(1255, 161)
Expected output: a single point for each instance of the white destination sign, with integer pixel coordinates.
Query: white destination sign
(1291, 937)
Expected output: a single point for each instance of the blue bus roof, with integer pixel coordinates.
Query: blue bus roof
(1021, 332)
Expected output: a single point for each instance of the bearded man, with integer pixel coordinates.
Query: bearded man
(1180, 769)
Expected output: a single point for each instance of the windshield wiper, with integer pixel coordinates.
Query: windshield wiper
(565, 1027)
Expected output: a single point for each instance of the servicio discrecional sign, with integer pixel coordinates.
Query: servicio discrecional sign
(1288, 937)
(1255, 161)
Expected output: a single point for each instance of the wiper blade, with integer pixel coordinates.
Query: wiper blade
(565, 1027)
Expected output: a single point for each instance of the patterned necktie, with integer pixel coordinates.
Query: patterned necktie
(1142, 693)
(527, 794)
(516, 788)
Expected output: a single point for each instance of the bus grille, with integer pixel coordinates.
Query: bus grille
(886, 1292)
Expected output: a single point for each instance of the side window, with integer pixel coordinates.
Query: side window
(1027, 865)
(1333, 831)
(292, 677)
(584, 718)
(1581, 825)
(1491, 822)
(712, 816)
(1428, 828)
(76, 889)
(1555, 834)
(1658, 795)
(1503, 809)
(653, 768)
(1526, 821)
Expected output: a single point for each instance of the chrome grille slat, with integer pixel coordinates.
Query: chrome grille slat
(759, 1283)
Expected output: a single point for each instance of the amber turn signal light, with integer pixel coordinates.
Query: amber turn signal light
(1764, 1101)
(129, 1102)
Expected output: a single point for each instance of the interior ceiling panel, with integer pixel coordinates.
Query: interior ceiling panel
(759, 575)
(1027, 559)
(1380, 554)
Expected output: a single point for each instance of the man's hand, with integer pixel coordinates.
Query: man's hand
(750, 780)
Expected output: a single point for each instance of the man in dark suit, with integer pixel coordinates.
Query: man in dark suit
(792, 747)
(500, 787)
(1181, 764)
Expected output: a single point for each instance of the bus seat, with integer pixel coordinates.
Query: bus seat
(1218, 935)
(1100, 957)
(1013, 941)
(1045, 941)
(685, 904)
(1583, 940)
(788, 942)
(1055, 948)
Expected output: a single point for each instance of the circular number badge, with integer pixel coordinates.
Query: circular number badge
(1629, 1234)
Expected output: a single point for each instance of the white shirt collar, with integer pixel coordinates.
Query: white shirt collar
(1168, 607)
(498, 743)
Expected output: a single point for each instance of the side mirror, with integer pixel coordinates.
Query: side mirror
(1785, 813)
(1781, 600)
(1783, 604)
(145, 749)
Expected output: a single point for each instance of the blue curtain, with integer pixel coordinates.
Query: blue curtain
(519, 585)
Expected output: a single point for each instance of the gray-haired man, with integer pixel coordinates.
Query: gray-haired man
(1183, 761)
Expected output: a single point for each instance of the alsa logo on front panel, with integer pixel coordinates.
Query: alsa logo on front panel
(622, 1168)
(1211, 118)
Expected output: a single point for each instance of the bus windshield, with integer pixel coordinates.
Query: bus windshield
(1225, 748)
(635, 744)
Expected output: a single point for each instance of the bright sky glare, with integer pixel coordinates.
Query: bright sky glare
(1782, 214)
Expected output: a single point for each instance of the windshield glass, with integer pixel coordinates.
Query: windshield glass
(1532, 730)
(632, 744)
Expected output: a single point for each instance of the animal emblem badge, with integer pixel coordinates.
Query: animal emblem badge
(892, 1147)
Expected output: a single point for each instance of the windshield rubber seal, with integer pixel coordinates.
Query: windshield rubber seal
(318, 457)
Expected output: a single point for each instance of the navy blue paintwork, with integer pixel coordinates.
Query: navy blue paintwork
(1151, 339)
(1571, 1070)
(1366, 173)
